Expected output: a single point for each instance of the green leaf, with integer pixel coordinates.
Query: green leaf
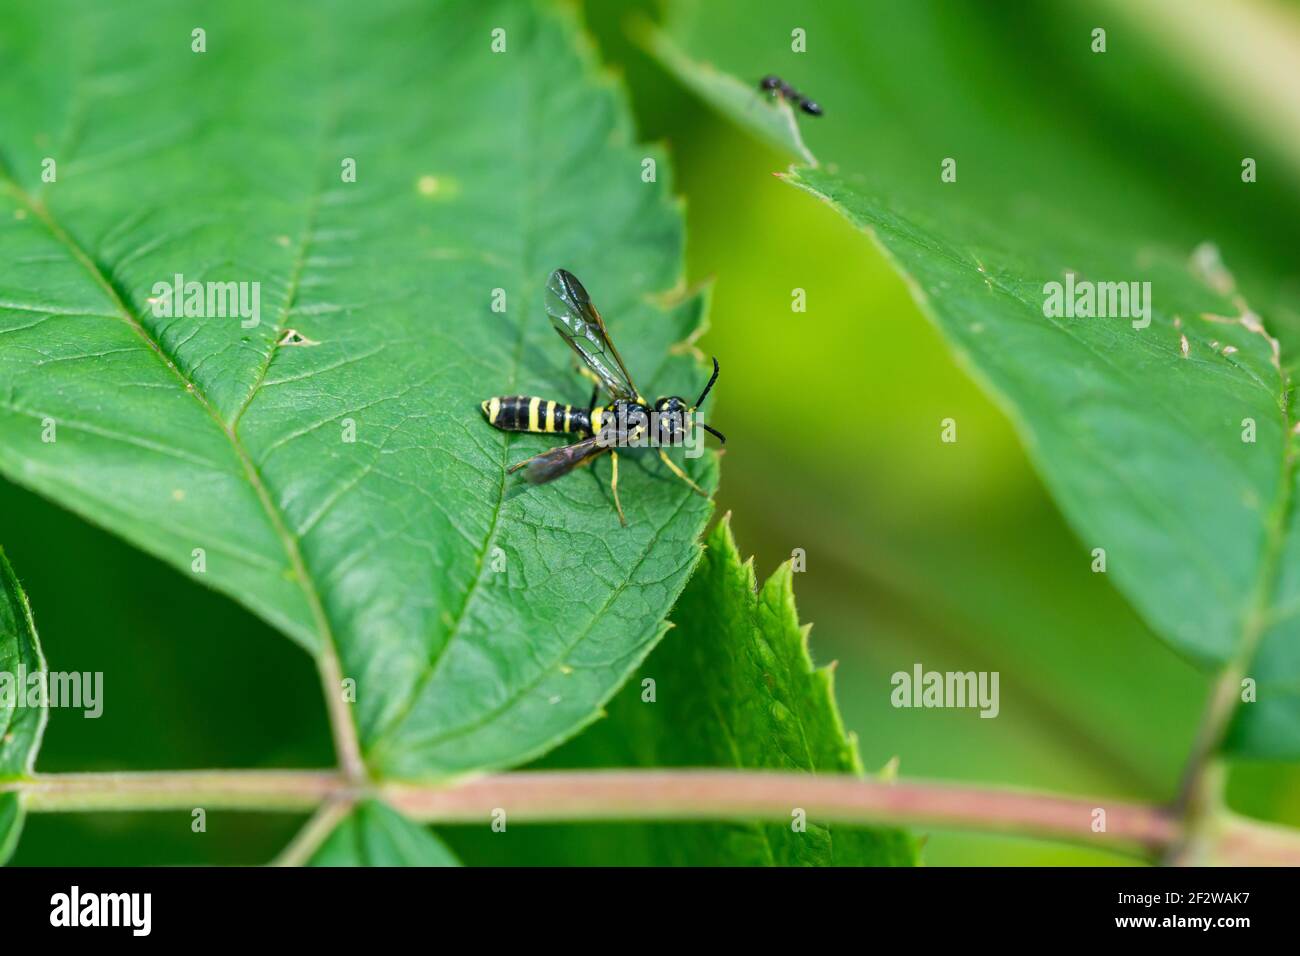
(482, 623)
(733, 686)
(374, 834)
(777, 124)
(1138, 429)
(21, 726)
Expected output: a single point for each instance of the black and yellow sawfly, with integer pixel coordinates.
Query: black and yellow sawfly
(628, 420)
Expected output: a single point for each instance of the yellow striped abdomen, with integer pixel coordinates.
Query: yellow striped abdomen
(527, 413)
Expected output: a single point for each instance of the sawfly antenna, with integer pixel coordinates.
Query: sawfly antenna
(704, 394)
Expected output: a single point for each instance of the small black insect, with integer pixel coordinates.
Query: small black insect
(628, 419)
(779, 87)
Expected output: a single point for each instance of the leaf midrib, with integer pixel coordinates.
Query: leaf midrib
(287, 540)
(299, 264)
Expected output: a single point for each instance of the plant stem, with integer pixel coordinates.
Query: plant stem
(344, 731)
(1219, 708)
(1225, 694)
(726, 794)
(284, 790)
(555, 796)
(313, 834)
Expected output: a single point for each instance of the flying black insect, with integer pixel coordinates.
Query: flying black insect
(779, 87)
(626, 421)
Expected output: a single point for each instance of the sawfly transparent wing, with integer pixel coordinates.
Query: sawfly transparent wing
(579, 324)
(558, 462)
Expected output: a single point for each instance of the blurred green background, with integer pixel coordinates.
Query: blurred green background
(950, 555)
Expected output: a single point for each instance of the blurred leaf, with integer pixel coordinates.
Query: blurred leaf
(1240, 53)
(21, 726)
(1137, 428)
(732, 686)
(1200, 563)
(374, 834)
(376, 296)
